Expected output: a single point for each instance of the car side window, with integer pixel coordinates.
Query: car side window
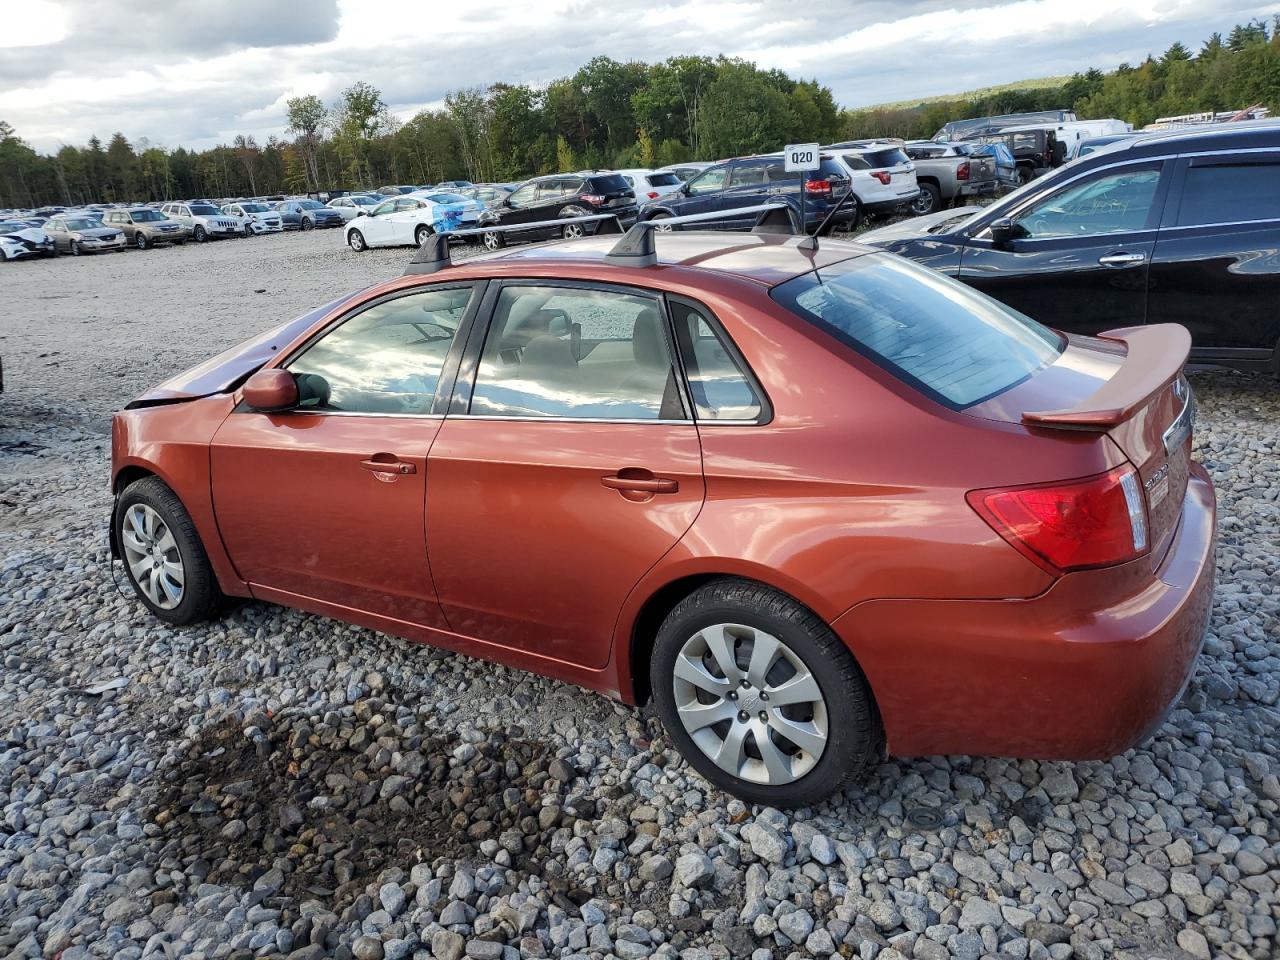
(524, 196)
(719, 385)
(775, 171)
(747, 174)
(386, 359)
(576, 353)
(550, 189)
(1115, 202)
(406, 204)
(1230, 193)
(711, 181)
(383, 208)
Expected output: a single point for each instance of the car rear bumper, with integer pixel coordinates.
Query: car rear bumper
(877, 207)
(1064, 675)
(978, 189)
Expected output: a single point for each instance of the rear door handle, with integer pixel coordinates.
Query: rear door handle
(385, 463)
(641, 484)
(1122, 259)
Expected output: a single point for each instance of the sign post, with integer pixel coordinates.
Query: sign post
(801, 158)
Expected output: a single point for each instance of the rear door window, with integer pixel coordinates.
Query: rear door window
(950, 342)
(719, 384)
(747, 174)
(1230, 193)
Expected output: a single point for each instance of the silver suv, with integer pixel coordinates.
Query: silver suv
(202, 220)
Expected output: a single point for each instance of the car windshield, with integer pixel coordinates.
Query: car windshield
(950, 342)
(204, 210)
(310, 205)
(253, 207)
(364, 201)
(83, 223)
(10, 228)
(446, 198)
(663, 180)
(147, 216)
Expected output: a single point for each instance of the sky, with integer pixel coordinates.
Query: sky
(195, 73)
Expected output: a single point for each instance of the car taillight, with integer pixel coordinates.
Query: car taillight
(883, 176)
(594, 199)
(1095, 522)
(652, 194)
(962, 171)
(818, 186)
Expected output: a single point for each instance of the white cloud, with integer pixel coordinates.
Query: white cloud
(197, 73)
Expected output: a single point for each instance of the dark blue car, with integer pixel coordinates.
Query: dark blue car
(306, 214)
(751, 181)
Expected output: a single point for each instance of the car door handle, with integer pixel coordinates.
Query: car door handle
(388, 465)
(1122, 259)
(650, 484)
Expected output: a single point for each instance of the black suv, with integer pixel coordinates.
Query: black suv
(1036, 152)
(751, 181)
(560, 196)
(1181, 226)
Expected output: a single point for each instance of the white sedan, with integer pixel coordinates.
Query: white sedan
(20, 239)
(408, 220)
(355, 204)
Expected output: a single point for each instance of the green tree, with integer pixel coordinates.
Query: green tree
(307, 118)
(565, 160)
(359, 115)
(742, 113)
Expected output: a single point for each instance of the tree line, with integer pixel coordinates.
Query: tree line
(607, 114)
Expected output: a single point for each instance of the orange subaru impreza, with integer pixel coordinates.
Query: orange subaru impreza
(819, 503)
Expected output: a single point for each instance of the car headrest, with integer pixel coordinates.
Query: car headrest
(647, 343)
(547, 352)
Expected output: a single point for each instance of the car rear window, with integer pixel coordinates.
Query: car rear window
(948, 341)
(663, 180)
(876, 159)
(609, 184)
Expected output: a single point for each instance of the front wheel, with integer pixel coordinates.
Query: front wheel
(761, 697)
(199, 234)
(659, 225)
(163, 556)
(248, 230)
(75, 248)
(355, 240)
(307, 223)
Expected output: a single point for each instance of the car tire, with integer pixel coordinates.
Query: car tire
(493, 241)
(420, 235)
(572, 231)
(308, 223)
(74, 249)
(834, 716)
(162, 553)
(140, 241)
(1024, 175)
(355, 240)
(659, 227)
(248, 231)
(927, 200)
(199, 235)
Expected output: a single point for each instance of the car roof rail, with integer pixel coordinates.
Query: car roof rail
(636, 248)
(433, 254)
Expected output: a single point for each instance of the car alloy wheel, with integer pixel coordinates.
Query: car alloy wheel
(572, 231)
(199, 234)
(420, 235)
(152, 556)
(492, 241)
(750, 704)
(926, 201)
(140, 241)
(248, 230)
(355, 240)
(307, 223)
(660, 226)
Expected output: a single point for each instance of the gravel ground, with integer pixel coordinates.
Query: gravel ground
(279, 784)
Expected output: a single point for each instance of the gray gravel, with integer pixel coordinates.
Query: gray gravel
(278, 784)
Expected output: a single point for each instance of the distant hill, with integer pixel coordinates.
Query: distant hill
(1041, 83)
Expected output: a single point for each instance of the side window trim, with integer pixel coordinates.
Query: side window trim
(459, 405)
(765, 415)
(444, 385)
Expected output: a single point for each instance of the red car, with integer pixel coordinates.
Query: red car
(818, 503)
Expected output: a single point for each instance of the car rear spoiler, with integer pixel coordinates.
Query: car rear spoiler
(1155, 357)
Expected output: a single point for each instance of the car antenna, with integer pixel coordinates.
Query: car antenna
(811, 243)
(431, 257)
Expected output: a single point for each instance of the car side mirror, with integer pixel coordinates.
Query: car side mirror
(271, 391)
(1002, 231)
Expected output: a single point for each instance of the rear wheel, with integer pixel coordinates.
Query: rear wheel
(420, 235)
(355, 240)
(163, 556)
(761, 697)
(927, 200)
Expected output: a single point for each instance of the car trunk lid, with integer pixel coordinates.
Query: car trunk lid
(1128, 384)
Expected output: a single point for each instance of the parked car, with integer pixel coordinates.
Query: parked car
(202, 220)
(452, 186)
(1035, 152)
(144, 227)
(22, 239)
(397, 191)
(355, 205)
(1175, 227)
(255, 218)
(486, 193)
(948, 175)
(1082, 148)
(978, 126)
(881, 176)
(561, 196)
(937, 527)
(750, 181)
(650, 184)
(406, 221)
(688, 170)
(77, 235)
(307, 215)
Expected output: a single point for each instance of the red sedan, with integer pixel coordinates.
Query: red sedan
(819, 504)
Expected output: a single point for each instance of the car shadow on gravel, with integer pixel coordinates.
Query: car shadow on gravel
(317, 813)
